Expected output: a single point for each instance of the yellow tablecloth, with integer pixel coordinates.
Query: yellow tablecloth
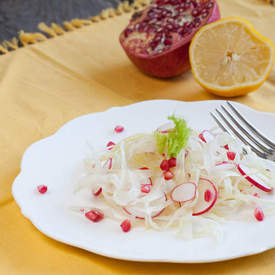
(44, 85)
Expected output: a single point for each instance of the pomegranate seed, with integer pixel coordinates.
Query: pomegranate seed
(209, 5)
(208, 195)
(42, 189)
(256, 195)
(164, 165)
(195, 13)
(204, 15)
(172, 162)
(119, 129)
(110, 145)
(226, 147)
(144, 168)
(94, 215)
(231, 155)
(125, 226)
(259, 214)
(197, 24)
(145, 188)
(167, 42)
(97, 192)
(168, 175)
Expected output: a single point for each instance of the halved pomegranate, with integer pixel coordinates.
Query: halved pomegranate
(157, 38)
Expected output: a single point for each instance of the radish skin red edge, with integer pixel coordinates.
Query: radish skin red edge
(244, 171)
(188, 192)
(165, 128)
(142, 218)
(201, 201)
(206, 136)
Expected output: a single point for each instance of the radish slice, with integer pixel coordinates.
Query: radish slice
(144, 168)
(206, 136)
(225, 165)
(203, 206)
(165, 128)
(138, 215)
(255, 179)
(184, 192)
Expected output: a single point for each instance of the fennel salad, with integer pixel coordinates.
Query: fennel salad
(178, 179)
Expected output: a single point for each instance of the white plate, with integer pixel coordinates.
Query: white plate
(54, 161)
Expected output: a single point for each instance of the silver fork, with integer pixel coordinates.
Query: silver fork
(231, 121)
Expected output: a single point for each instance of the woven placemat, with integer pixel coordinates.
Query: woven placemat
(53, 14)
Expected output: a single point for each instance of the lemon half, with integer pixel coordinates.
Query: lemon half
(230, 58)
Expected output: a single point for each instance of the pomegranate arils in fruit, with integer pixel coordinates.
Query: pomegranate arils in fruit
(94, 215)
(164, 165)
(125, 226)
(42, 189)
(167, 41)
(145, 188)
(136, 15)
(158, 37)
(259, 214)
(172, 162)
(208, 195)
(168, 175)
(231, 155)
(210, 5)
(119, 129)
(195, 13)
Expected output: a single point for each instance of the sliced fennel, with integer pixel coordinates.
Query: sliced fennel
(121, 182)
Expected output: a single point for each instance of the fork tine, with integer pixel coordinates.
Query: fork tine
(220, 124)
(253, 148)
(252, 128)
(261, 146)
(223, 128)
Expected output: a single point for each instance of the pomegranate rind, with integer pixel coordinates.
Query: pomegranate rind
(203, 206)
(171, 62)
